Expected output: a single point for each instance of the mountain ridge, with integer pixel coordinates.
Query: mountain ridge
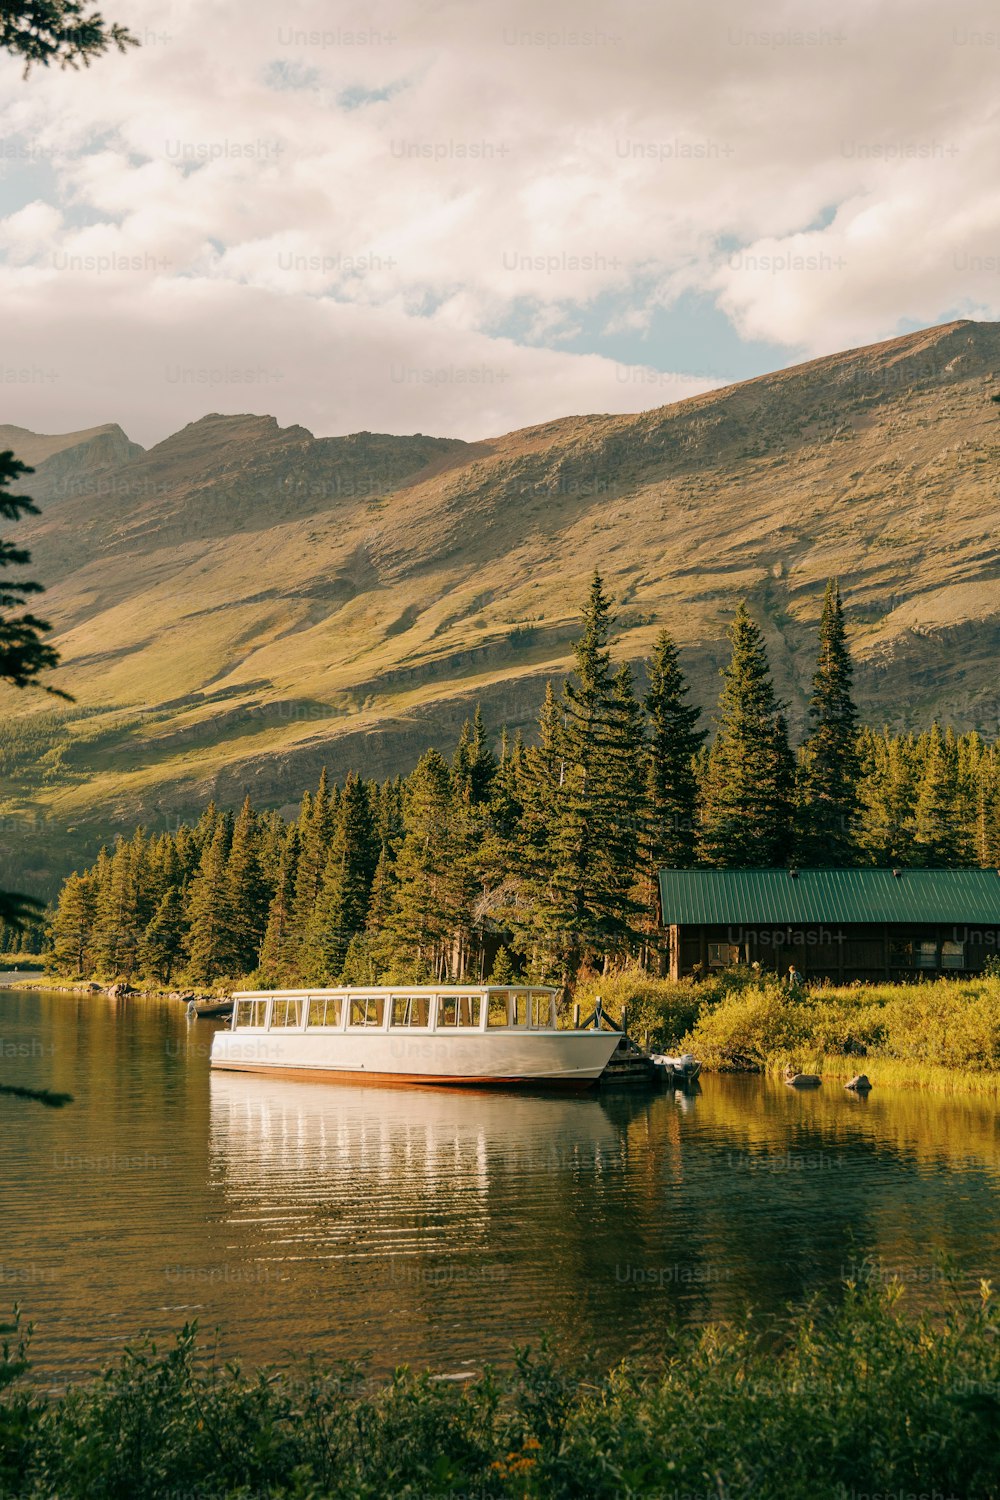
(242, 602)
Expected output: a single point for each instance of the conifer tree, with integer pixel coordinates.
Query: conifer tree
(886, 795)
(745, 806)
(315, 831)
(675, 741)
(341, 906)
(163, 941)
(425, 911)
(937, 833)
(210, 938)
(248, 896)
(829, 767)
(278, 950)
(593, 846)
(72, 928)
(117, 928)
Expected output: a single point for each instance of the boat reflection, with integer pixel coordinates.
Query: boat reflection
(282, 1141)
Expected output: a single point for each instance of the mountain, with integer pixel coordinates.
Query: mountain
(243, 603)
(68, 457)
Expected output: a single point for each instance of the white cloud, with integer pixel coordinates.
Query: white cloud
(340, 194)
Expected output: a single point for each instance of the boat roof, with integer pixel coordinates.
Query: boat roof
(401, 989)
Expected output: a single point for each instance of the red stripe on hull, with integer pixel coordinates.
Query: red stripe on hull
(406, 1080)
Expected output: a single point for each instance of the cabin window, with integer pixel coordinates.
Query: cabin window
(411, 1010)
(286, 1013)
(521, 1010)
(496, 1014)
(458, 1010)
(541, 1007)
(251, 1012)
(723, 955)
(326, 1010)
(368, 1010)
(953, 955)
(925, 954)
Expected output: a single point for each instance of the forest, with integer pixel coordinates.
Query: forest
(534, 859)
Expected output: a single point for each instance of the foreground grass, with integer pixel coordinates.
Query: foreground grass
(857, 1398)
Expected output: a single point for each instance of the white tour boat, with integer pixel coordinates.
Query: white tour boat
(442, 1034)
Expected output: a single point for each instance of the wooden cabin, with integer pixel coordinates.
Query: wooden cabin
(843, 925)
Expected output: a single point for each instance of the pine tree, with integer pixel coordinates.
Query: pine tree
(248, 896)
(745, 817)
(937, 832)
(829, 767)
(72, 926)
(211, 943)
(675, 741)
(315, 831)
(341, 906)
(886, 796)
(426, 909)
(593, 845)
(278, 951)
(117, 928)
(163, 942)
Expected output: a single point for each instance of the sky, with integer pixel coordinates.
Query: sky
(465, 218)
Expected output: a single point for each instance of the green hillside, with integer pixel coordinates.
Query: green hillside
(243, 603)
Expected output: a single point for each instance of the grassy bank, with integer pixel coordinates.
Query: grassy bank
(942, 1034)
(857, 1398)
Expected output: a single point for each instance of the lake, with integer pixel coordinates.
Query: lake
(439, 1228)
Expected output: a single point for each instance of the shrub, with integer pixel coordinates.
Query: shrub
(849, 1397)
(666, 1009)
(747, 1029)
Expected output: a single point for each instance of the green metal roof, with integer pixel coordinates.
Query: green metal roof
(719, 897)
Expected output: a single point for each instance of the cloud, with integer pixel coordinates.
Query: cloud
(338, 198)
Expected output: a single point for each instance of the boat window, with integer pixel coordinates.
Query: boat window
(250, 1012)
(286, 1013)
(368, 1010)
(469, 1009)
(326, 1010)
(411, 1010)
(521, 1010)
(458, 1010)
(496, 1014)
(541, 1007)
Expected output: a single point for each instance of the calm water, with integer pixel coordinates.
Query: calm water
(438, 1228)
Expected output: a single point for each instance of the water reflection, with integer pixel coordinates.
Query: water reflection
(441, 1227)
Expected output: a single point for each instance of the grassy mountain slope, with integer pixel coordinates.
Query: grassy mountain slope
(242, 602)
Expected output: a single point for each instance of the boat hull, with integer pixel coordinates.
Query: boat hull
(479, 1059)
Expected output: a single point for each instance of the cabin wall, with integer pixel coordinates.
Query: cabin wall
(842, 953)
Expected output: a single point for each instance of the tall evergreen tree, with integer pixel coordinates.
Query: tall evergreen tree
(278, 953)
(341, 906)
(829, 766)
(72, 928)
(211, 940)
(426, 912)
(675, 741)
(117, 927)
(745, 817)
(163, 942)
(593, 841)
(248, 896)
(937, 833)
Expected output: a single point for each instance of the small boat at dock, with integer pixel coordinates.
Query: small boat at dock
(472, 1035)
(681, 1069)
(222, 1006)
